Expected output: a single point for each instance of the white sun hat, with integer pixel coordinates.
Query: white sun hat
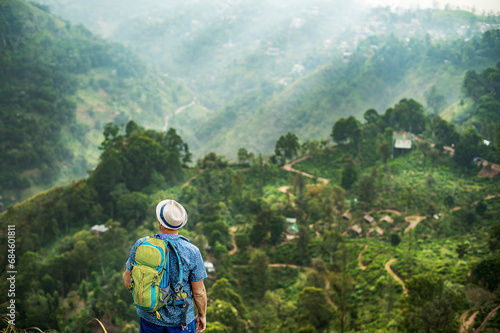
(171, 214)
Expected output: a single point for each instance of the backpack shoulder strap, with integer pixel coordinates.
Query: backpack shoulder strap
(179, 262)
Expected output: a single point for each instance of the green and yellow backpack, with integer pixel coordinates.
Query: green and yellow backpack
(151, 279)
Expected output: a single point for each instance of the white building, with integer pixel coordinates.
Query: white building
(99, 228)
(209, 267)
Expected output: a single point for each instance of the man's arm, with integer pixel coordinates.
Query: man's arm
(126, 278)
(200, 300)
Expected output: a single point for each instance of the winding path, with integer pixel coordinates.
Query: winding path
(360, 259)
(288, 265)
(397, 278)
(179, 110)
(327, 281)
(466, 323)
(414, 221)
(289, 167)
(488, 317)
(232, 230)
(327, 295)
(191, 179)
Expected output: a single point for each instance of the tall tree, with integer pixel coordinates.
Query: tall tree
(286, 147)
(371, 116)
(467, 148)
(330, 243)
(435, 100)
(314, 308)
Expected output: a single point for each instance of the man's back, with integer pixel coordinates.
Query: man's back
(171, 216)
(193, 270)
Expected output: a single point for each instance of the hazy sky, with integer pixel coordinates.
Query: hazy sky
(481, 5)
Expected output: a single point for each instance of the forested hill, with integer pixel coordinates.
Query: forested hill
(379, 72)
(264, 68)
(60, 86)
(360, 236)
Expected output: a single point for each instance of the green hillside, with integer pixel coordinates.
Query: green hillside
(310, 105)
(60, 86)
(358, 194)
(423, 217)
(267, 68)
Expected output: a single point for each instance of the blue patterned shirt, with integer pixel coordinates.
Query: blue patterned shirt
(194, 270)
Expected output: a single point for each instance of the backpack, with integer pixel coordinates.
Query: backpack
(152, 289)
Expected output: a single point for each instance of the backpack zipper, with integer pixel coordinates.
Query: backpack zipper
(141, 289)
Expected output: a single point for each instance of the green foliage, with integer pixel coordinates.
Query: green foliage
(133, 160)
(431, 305)
(395, 239)
(222, 290)
(487, 272)
(80, 272)
(467, 148)
(483, 88)
(267, 222)
(286, 147)
(222, 312)
(346, 130)
(494, 238)
(407, 115)
(434, 99)
(242, 241)
(315, 310)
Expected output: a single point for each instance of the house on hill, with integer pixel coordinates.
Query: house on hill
(402, 142)
(209, 267)
(99, 228)
(291, 229)
(376, 230)
(368, 219)
(355, 230)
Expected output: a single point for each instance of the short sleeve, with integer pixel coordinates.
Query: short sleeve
(199, 272)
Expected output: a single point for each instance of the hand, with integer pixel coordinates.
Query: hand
(126, 279)
(201, 323)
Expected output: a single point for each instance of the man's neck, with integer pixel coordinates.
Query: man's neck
(168, 231)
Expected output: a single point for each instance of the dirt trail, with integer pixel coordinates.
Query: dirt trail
(191, 179)
(179, 110)
(492, 171)
(327, 295)
(287, 265)
(283, 189)
(397, 278)
(390, 211)
(289, 167)
(414, 221)
(488, 317)
(327, 281)
(232, 230)
(488, 197)
(466, 323)
(360, 258)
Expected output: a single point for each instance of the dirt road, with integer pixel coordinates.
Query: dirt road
(414, 221)
(289, 167)
(232, 230)
(360, 258)
(179, 110)
(397, 278)
(466, 323)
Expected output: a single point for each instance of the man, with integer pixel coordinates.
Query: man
(171, 217)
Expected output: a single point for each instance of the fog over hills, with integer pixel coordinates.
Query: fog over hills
(238, 56)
